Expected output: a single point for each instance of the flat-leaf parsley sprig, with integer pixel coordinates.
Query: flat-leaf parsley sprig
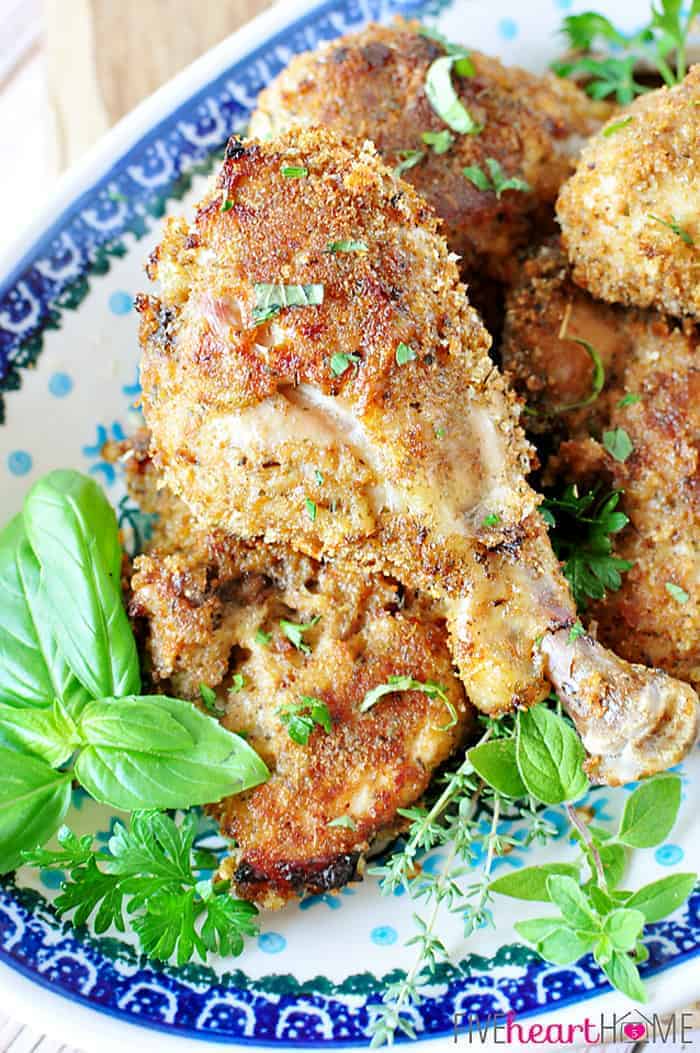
(150, 873)
(663, 37)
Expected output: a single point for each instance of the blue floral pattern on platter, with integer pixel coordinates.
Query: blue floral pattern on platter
(61, 273)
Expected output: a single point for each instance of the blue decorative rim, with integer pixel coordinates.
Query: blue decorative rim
(106, 975)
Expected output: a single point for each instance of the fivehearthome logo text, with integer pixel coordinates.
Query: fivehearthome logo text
(505, 1029)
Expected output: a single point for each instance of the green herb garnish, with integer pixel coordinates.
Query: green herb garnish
(665, 34)
(346, 822)
(492, 519)
(407, 683)
(617, 126)
(149, 872)
(347, 246)
(405, 354)
(618, 444)
(294, 171)
(628, 400)
(262, 637)
(678, 594)
(575, 632)
(674, 226)
(442, 96)
(300, 718)
(270, 299)
(295, 632)
(495, 180)
(208, 697)
(440, 141)
(318, 476)
(407, 159)
(311, 509)
(581, 529)
(237, 683)
(340, 361)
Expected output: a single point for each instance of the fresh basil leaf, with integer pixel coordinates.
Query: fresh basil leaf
(531, 882)
(567, 895)
(662, 897)
(624, 926)
(564, 946)
(218, 764)
(496, 763)
(271, 298)
(650, 812)
(33, 801)
(33, 672)
(443, 98)
(47, 733)
(133, 724)
(624, 975)
(618, 444)
(550, 756)
(73, 531)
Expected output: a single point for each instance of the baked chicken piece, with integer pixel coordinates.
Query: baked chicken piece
(342, 401)
(212, 610)
(630, 215)
(374, 85)
(651, 392)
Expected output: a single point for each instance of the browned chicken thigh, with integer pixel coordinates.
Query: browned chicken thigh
(375, 85)
(225, 613)
(651, 391)
(313, 374)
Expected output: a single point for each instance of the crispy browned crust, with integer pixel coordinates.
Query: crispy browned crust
(198, 601)
(646, 355)
(647, 169)
(372, 85)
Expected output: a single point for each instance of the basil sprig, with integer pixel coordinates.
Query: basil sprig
(69, 682)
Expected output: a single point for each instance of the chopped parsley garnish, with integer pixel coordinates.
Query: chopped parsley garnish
(295, 171)
(208, 697)
(576, 631)
(344, 821)
(613, 73)
(407, 683)
(678, 594)
(617, 126)
(581, 527)
(300, 718)
(405, 354)
(442, 96)
(440, 141)
(270, 299)
(237, 683)
(629, 400)
(440, 432)
(262, 637)
(226, 204)
(318, 476)
(674, 226)
(407, 159)
(311, 509)
(496, 179)
(341, 361)
(347, 246)
(597, 381)
(618, 444)
(295, 632)
(492, 519)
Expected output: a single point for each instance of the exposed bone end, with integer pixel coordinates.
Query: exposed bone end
(633, 721)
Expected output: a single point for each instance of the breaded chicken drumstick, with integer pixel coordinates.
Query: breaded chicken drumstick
(313, 374)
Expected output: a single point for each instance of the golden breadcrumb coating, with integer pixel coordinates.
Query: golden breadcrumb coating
(371, 85)
(200, 602)
(630, 189)
(656, 361)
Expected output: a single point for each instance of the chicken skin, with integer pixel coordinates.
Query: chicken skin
(212, 610)
(630, 215)
(372, 85)
(342, 401)
(652, 392)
